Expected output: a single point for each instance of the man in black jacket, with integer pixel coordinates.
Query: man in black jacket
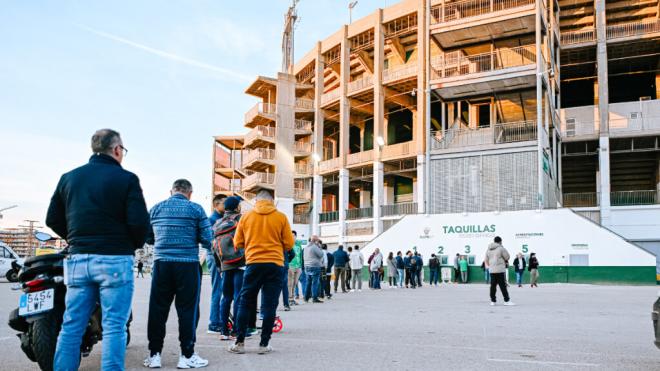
(100, 210)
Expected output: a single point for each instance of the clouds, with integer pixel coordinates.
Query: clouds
(228, 73)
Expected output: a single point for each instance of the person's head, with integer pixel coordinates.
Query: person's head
(357, 247)
(350, 249)
(295, 234)
(108, 142)
(390, 255)
(324, 246)
(457, 255)
(498, 239)
(433, 255)
(182, 187)
(416, 253)
(232, 204)
(408, 253)
(519, 255)
(376, 251)
(264, 195)
(340, 247)
(463, 257)
(219, 203)
(532, 255)
(315, 239)
(398, 253)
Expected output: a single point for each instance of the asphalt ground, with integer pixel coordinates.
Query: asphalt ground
(553, 327)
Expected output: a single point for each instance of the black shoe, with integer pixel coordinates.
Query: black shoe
(287, 308)
(317, 301)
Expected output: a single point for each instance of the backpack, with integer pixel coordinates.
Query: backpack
(223, 240)
(433, 263)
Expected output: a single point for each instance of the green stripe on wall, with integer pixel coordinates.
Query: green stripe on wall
(555, 274)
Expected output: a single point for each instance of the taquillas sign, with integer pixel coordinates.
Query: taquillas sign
(450, 229)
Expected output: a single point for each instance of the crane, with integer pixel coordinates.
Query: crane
(7, 208)
(290, 19)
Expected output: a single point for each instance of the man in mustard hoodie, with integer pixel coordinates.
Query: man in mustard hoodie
(265, 234)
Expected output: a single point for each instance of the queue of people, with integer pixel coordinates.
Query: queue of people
(250, 255)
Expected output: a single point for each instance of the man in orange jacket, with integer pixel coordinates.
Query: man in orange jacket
(265, 234)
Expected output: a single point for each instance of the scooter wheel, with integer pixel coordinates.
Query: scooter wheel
(277, 327)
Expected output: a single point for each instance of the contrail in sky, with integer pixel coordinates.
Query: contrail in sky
(177, 58)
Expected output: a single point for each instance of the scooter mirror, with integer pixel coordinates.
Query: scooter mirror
(42, 236)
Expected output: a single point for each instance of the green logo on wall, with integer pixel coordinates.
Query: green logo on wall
(451, 229)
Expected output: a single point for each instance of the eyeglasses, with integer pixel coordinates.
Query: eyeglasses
(123, 149)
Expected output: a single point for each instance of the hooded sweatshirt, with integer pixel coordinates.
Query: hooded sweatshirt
(265, 233)
(496, 257)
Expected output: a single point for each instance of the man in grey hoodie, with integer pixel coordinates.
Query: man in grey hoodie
(496, 261)
(313, 256)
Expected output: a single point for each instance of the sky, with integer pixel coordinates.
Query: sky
(168, 75)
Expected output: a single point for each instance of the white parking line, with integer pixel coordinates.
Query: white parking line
(544, 362)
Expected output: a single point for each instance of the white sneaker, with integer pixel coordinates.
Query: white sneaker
(153, 362)
(509, 304)
(352, 291)
(194, 361)
(238, 348)
(265, 349)
(213, 332)
(492, 303)
(359, 290)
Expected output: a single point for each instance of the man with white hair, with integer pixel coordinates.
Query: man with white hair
(265, 234)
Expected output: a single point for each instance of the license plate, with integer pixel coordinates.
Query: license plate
(36, 302)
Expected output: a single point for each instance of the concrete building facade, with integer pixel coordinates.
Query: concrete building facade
(437, 107)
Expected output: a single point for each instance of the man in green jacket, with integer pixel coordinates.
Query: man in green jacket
(295, 266)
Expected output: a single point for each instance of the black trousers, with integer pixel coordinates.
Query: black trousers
(179, 282)
(265, 277)
(498, 279)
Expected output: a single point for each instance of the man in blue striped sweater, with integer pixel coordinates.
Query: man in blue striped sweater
(179, 226)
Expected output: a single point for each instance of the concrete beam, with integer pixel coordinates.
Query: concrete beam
(401, 99)
(398, 49)
(366, 61)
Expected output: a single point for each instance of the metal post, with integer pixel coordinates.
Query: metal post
(539, 106)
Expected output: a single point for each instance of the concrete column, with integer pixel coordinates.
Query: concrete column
(378, 196)
(365, 199)
(344, 105)
(317, 189)
(539, 105)
(421, 96)
(421, 180)
(343, 203)
(284, 139)
(603, 113)
(379, 94)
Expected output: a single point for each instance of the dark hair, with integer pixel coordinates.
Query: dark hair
(350, 248)
(433, 255)
(294, 232)
(324, 246)
(357, 247)
(398, 253)
(498, 239)
(340, 247)
(457, 254)
(104, 140)
(218, 198)
(391, 256)
(182, 185)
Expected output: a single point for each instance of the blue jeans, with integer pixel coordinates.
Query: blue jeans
(313, 282)
(216, 294)
(303, 283)
(92, 279)
(232, 283)
(285, 286)
(519, 276)
(266, 277)
(487, 275)
(401, 276)
(375, 279)
(435, 273)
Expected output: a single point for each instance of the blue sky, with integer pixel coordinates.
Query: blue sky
(168, 75)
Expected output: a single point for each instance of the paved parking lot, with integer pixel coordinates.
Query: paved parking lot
(553, 327)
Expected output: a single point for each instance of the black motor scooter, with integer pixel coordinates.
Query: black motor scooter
(40, 310)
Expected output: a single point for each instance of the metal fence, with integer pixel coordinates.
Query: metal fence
(329, 217)
(581, 199)
(631, 198)
(632, 29)
(399, 209)
(578, 36)
(361, 213)
(500, 133)
(458, 64)
(447, 12)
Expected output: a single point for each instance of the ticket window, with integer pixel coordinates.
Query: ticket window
(444, 259)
